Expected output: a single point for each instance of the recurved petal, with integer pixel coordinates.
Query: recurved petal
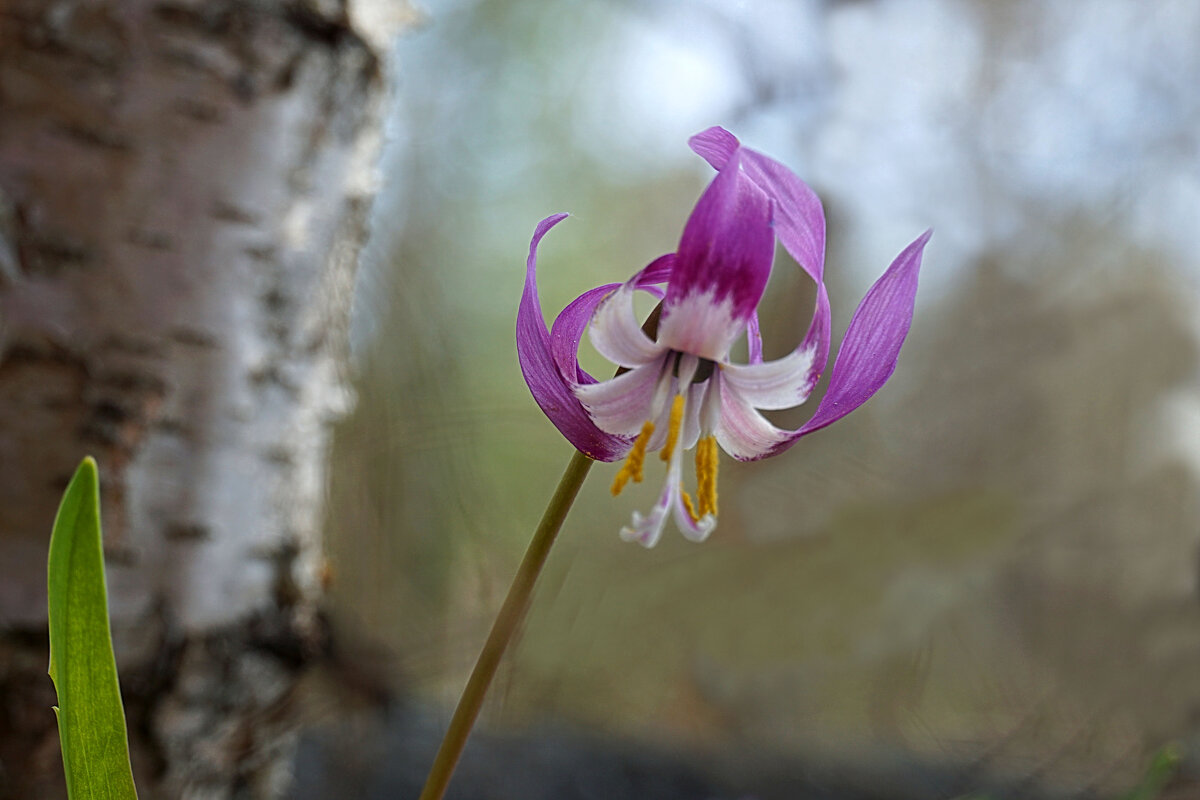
(742, 432)
(819, 334)
(872, 343)
(799, 217)
(799, 224)
(616, 333)
(621, 405)
(754, 339)
(567, 330)
(715, 146)
(657, 271)
(783, 383)
(549, 389)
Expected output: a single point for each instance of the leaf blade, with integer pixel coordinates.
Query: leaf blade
(91, 718)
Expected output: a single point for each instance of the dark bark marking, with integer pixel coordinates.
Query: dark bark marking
(192, 337)
(151, 240)
(121, 555)
(261, 252)
(51, 253)
(279, 455)
(226, 211)
(198, 110)
(87, 34)
(272, 374)
(10, 238)
(187, 531)
(90, 136)
(127, 344)
(173, 426)
(21, 353)
(275, 300)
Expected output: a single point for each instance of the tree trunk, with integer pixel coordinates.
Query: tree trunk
(183, 190)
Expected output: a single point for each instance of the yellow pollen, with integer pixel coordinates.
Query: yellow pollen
(687, 503)
(632, 469)
(673, 430)
(706, 475)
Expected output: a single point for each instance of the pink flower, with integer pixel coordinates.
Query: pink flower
(680, 391)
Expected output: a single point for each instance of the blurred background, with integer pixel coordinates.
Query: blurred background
(988, 573)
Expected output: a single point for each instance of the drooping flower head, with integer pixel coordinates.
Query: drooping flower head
(678, 391)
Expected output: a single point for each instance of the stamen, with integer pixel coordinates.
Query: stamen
(706, 475)
(632, 469)
(673, 430)
(687, 503)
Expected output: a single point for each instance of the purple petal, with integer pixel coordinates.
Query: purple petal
(799, 218)
(715, 146)
(657, 271)
(872, 343)
(799, 223)
(819, 334)
(553, 393)
(800, 226)
(754, 339)
(567, 331)
(721, 267)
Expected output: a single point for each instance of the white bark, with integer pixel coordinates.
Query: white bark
(182, 195)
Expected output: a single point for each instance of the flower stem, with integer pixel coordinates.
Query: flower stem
(516, 603)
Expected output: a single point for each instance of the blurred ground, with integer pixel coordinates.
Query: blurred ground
(995, 561)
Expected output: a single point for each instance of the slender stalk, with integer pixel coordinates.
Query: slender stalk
(506, 624)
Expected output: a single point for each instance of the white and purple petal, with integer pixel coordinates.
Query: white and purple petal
(692, 530)
(754, 339)
(741, 431)
(783, 383)
(550, 390)
(799, 217)
(799, 224)
(622, 404)
(616, 333)
(647, 530)
(721, 267)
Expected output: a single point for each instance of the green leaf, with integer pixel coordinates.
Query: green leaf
(1160, 772)
(91, 720)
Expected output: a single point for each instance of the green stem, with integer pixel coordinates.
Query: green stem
(506, 624)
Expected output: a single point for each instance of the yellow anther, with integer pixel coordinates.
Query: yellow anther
(673, 429)
(687, 503)
(706, 475)
(632, 469)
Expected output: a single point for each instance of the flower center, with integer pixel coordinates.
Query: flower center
(706, 461)
(704, 369)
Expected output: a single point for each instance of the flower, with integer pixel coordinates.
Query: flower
(679, 391)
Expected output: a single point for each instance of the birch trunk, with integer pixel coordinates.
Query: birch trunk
(182, 196)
